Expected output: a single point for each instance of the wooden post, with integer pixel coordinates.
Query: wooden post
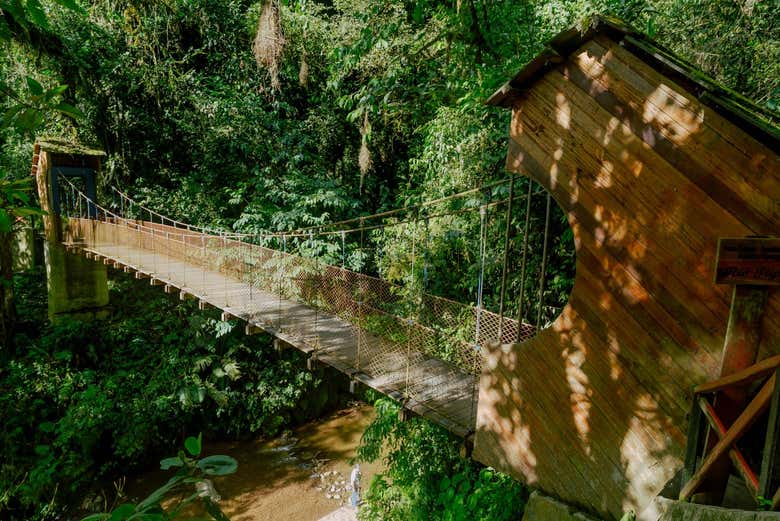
(740, 351)
(251, 329)
(769, 480)
(740, 262)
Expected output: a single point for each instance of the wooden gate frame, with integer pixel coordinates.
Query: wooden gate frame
(767, 397)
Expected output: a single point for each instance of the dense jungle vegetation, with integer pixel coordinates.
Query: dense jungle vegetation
(271, 116)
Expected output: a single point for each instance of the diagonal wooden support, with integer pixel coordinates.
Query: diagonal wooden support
(751, 480)
(751, 374)
(740, 426)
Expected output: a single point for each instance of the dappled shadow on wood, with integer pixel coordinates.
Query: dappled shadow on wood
(593, 409)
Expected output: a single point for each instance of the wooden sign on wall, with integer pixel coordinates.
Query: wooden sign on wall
(750, 260)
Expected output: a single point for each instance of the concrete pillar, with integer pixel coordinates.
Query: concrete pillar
(23, 247)
(77, 287)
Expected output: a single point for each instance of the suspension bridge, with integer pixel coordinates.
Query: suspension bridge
(420, 349)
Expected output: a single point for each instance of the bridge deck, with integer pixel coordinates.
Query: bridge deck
(438, 390)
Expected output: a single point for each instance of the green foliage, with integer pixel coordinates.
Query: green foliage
(82, 401)
(190, 484)
(426, 479)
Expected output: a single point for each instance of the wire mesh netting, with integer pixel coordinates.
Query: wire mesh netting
(425, 347)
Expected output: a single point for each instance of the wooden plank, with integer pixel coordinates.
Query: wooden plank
(751, 261)
(740, 378)
(744, 154)
(735, 432)
(652, 249)
(654, 318)
(617, 161)
(672, 138)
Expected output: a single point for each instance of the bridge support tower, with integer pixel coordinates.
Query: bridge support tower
(77, 287)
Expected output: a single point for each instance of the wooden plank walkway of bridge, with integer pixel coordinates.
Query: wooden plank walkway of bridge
(437, 390)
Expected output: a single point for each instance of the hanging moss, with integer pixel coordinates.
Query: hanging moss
(269, 41)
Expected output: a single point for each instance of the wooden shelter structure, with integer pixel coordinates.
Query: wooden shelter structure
(653, 163)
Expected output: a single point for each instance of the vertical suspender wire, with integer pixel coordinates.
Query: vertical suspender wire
(480, 286)
(361, 297)
(544, 261)
(506, 258)
(524, 262)
(426, 253)
(317, 275)
(343, 249)
(204, 264)
(410, 320)
(279, 267)
(222, 265)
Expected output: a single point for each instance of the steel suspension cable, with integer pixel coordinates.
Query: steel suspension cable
(523, 264)
(505, 259)
(544, 261)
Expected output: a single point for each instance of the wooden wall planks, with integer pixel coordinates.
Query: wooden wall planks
(593, 409)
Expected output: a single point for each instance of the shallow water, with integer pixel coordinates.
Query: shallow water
(288, 478)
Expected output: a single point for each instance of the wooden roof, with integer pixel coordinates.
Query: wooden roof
(759, 121)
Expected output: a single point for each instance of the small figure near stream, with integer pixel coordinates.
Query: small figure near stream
(354, 482)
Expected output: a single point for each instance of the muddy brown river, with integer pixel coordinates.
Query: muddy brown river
(301, 476)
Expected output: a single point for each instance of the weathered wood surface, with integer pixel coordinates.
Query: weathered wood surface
(594, 408)
(440, 392)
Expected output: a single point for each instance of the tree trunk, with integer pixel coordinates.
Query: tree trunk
(7, 308)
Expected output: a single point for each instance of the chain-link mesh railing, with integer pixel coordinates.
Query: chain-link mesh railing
(424, 347)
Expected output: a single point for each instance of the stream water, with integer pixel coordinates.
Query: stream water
(300, 476)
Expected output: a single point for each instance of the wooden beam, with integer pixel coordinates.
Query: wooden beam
(751, 480)
(141, 275)
(127, 269)
(226, 317)
(107, 261)
(752, 373)
(740, 426)
(251, 329)
(467, 446)
(183, 295)
(740, 351)
(117, 265)
(776, 499)
(156, 282)
(770, 462)
(202, 304)
(171, 289)
(694, 441)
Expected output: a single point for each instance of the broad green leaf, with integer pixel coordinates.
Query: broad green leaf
(167, 463)
(68, 109)
(28, 211)
(5, 31)
(5, 221)
(122, 512)
(193, 445)
(10, 114)
(35, 88)
(46, 427)
(218, 465)
(38, 17)
(56, 91)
